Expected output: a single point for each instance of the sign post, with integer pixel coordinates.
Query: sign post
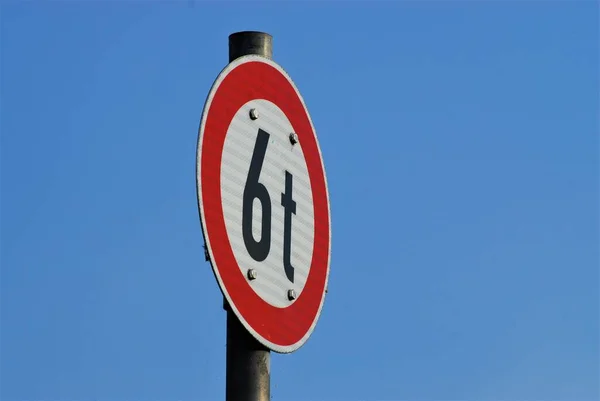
(248, 362)
(264, 209)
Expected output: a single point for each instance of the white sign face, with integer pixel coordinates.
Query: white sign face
(279, 166)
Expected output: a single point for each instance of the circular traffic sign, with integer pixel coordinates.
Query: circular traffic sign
(263, 202)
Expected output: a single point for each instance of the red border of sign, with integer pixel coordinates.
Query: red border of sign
(248, 78)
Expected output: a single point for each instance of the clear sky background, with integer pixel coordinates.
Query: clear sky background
(460, 141)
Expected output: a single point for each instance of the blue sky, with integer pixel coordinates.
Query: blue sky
(460, 141)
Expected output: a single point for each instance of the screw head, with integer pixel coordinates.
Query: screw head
(291, 295)
(293, 138)
(253, 114)
(251, 274)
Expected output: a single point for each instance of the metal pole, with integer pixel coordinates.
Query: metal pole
(248, 365)
(250, 42)
(248, 362)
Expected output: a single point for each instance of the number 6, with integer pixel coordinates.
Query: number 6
(259, 250)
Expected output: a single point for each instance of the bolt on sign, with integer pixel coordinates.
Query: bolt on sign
(263, 202)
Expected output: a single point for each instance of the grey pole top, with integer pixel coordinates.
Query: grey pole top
(250, 42)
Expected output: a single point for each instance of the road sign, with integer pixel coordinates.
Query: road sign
(263, 201)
